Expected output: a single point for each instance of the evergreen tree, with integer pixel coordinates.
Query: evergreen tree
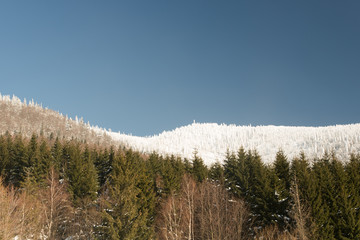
(343, 209)
(321, 205)
(261, 194)
(282, 185)
(171, 175)
(199, 170)
(237, 173)
(42, 166)
(352, 212)
(18, 162)
(56, 155)
(4, 156)
(129, 195)
(81, 175)
(232, 173)
(104, 165)
(216, 173)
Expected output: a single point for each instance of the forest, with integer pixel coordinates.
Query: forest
(55, 188)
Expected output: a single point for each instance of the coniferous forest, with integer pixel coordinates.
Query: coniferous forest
(67, 189)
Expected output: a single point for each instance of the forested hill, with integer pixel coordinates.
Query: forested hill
(26, 118)
(211, 140)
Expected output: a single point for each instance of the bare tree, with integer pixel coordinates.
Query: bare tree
(9, 215)
(301, 214)
(203, 211)
(20, 215)
(272, 232)
(176, 218)
(56, 206)
(218, 216)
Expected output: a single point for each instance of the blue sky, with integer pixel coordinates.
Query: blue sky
(143, 67)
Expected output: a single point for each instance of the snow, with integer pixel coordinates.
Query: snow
(212, 140)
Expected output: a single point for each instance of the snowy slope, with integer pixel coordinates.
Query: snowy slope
(212, 140)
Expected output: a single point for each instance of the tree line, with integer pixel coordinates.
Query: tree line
(55, 189)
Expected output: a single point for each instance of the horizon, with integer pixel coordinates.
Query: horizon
(142, 68)
(14, 99)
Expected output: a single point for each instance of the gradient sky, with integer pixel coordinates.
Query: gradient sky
(143, 67)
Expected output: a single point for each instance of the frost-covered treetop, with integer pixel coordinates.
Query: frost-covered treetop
(212, 140)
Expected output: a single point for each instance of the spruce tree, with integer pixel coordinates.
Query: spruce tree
(216, 173)
(282, 185)
(81, 175)
(322, 204)
(56, 154)
(199, 170)
(4, 157)
(261, 194)
(129, 194)
(352, 213)
(18, 162)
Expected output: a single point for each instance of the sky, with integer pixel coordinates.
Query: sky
(144, 67)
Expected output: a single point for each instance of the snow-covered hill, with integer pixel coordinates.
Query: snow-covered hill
(212, 140)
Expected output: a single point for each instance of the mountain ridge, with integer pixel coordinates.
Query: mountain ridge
(210, 140)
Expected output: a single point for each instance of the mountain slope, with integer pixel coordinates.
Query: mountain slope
(27, 118)
(210, 139)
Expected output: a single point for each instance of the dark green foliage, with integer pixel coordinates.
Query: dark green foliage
(81, 174)
(18, 162)
(216, 173)
(171, 174)
(4, 156)
(282, 186)
(248, 178)
(132, 188)
(56, 154)
(131, 200)
(199, 170)
(103, 163)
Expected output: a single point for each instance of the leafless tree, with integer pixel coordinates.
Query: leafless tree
(202, 211)
(56, 206)
(20, 215)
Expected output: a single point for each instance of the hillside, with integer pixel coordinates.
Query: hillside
(210, 139)
(29, 117)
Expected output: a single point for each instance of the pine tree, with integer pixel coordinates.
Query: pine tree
(18, 162)
(4, 156)
(232, 174)
(42, 166)
(81, 175)
(261, 194)
(170, 177)
(282, 185)
(56, 155)
(216, 173)
(236, 171)
(352, 212)
(321, 205)
(199, 170)
(104, 165)
(130, 200)
(343, 209)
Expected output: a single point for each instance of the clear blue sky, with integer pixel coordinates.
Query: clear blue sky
(143, 67)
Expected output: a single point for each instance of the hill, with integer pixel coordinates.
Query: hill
(26, 118)
(211, 140)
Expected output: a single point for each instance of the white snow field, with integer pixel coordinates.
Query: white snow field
(212, 141)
